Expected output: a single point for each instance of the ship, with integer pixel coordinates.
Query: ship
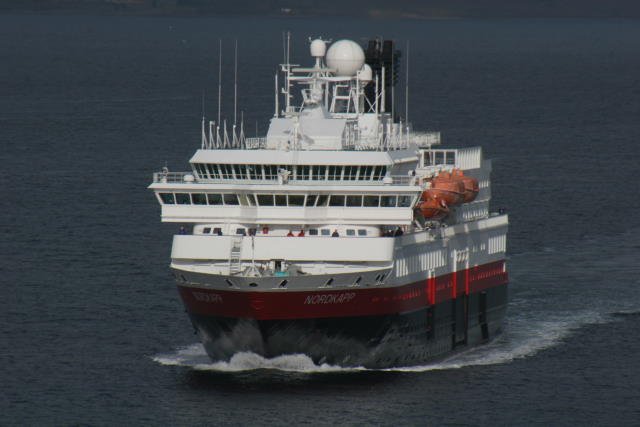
(342, 234)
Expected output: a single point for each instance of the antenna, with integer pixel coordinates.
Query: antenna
(219, 78)
(235, 85)
(406, 90)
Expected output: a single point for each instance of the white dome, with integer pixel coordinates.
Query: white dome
(318, 48)
(346, 57)
(365, 74)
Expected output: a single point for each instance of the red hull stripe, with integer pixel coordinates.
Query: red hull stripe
(342, 302)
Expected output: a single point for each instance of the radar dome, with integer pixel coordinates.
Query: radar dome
(365, 74)
(346, 57)
(318, 48)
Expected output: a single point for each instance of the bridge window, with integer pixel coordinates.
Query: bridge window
(167, 198)
(365, 173)
(319, 173)
(255, 171)
(270, 171)
(231, 199)
(265, 199)
(334, 173)
(388, 201)
(302, 172)
(281, 200)
(311, 199)
(198, 199)
(350, 173)
(241, 171)
(322, 200)
(354, 201)
(336, 201)
(404, 201)
(214, 199)
(371, 201)
(183, 199)
(296, 200)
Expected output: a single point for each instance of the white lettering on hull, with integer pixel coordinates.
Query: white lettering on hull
(330, 298)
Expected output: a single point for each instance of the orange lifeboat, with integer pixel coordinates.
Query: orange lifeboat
(448, 188)
(471, 187)
(432, 207)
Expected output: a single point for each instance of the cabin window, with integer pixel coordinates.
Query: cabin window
(265, 199)
(206, 230)
(336, 201)
(296, 200)
(183, 199)
(313, 232)
(351, 232)
(322, 200)
(241, 231)
(404, 201)
(311, 199)
(217, 231)
(325, 232)
(354, 201)
(214, 199)
(362, 232)
(371, 201)
(247, 199)
(271, 171)
(388, 201)
(439, 158)
(281, 200)
(231, 199)
(167, 198)
(199, 199)
(451, 158)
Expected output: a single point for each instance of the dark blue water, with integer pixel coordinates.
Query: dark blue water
(91, 327)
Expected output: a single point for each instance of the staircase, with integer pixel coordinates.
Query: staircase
(235, 262)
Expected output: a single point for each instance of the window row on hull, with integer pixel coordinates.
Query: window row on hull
(295, 172)
(287, 200)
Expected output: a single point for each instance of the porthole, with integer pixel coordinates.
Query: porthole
(253, 285)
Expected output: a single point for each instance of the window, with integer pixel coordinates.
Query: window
(231, 199)
(325, 232)
(183, 199)
(351, 232)
(217, 231)
(281, 200)
(199, 199)
(241, 171)
(388, 201)
(322, 200)
(334, 173)
(311, 199)
(296, 200)
(313, 232)
(213, 171)
(271, 171)
(336, 201)
(354, 201)
(371, 201)
(214, 199)
(206, 230)
(350, 173)
(404, 201)
(265, 199)
(241, 231)
(167, 198)
(362, 232)
(365, 173)
(319, 172)
(255, 171)
(303, 172)
(451, 158)
(439, 158)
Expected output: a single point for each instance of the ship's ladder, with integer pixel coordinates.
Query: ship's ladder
(235, 261)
